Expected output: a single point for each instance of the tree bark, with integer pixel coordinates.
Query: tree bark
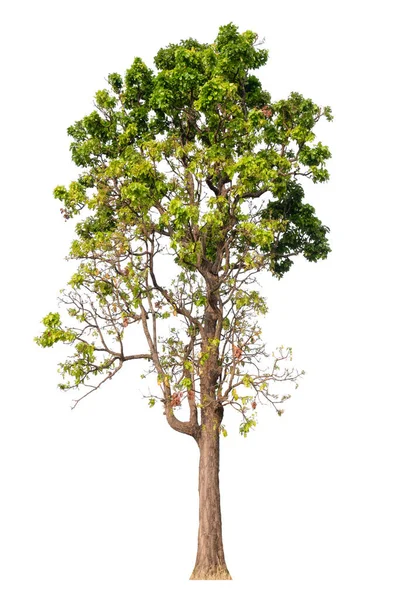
(210, 560)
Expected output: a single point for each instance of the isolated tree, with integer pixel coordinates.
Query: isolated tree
(189, 186)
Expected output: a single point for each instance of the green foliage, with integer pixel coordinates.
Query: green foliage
(54, 332)
(223, 431)
(80, 365)
(304, 233)
(193, 160)
(217, 120)
(246, 426)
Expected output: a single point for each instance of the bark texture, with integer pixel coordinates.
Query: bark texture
(210, 561)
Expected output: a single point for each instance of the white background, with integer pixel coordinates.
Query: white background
(101, 502)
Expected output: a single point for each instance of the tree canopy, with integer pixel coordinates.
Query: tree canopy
(190, 184)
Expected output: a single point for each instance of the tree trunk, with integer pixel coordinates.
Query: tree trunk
(210, 560)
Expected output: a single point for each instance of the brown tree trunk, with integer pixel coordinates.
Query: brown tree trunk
(210, 560)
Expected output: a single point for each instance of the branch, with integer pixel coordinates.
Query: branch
(180, 309)
(186, 427)
(136, 357)
(254, 194)
(96, 387)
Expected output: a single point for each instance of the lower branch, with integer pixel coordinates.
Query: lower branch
(186, 427)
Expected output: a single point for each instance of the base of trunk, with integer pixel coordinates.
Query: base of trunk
(210, 573)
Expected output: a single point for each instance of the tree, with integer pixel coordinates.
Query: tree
(189, 186)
